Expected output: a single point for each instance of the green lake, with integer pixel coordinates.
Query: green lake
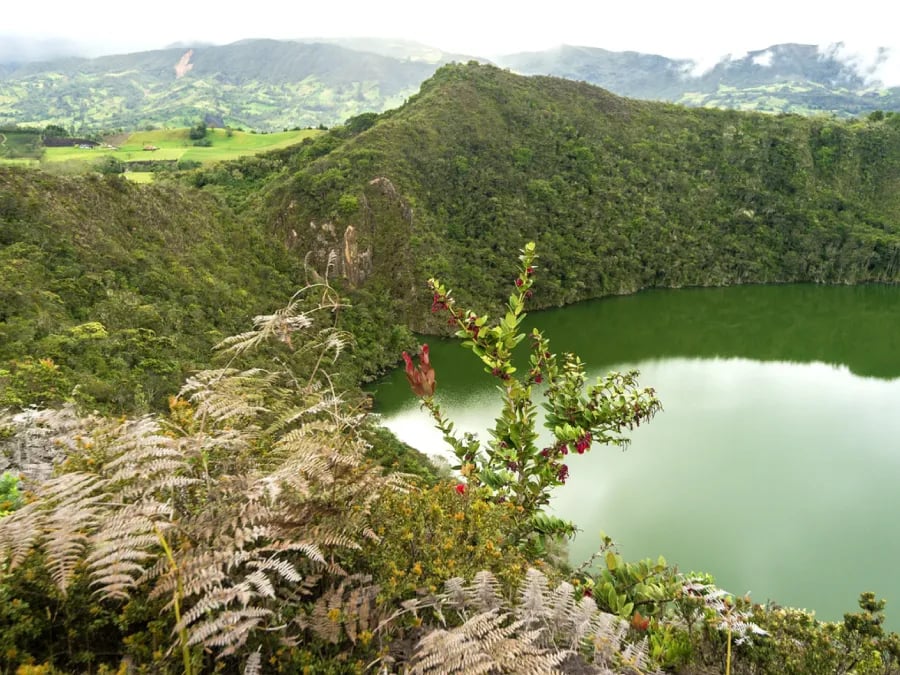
(775, 463)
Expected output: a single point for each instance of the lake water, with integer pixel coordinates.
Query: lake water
(775, 464)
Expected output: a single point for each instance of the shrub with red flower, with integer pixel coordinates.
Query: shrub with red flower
(421, 378)
(512, 465)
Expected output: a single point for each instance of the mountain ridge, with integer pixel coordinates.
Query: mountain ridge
(275, 84)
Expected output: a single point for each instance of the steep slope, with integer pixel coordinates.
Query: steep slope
(619, 194)
(126, 288)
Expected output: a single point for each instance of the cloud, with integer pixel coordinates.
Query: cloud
(878, 66)
(18, 49)
(764, 59)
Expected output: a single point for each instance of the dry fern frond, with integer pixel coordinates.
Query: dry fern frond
(228, 395)
(254, 664)
(486, 643)
(484, 593)
(59, 521)
(544, 629)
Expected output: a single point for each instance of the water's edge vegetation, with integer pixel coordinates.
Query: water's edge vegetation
(113, 294)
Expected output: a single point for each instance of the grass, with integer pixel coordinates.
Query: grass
(174, 144)
(139, 176)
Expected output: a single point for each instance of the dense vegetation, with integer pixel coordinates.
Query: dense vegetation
(621, 194)
(247, 528)
(120, 289)
(245, 522)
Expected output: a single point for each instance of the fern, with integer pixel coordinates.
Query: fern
(486, 643)
(227, 536)
(544, 630)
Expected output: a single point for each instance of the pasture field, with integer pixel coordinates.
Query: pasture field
(169, 144)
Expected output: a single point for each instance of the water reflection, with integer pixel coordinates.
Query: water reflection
(775, 462)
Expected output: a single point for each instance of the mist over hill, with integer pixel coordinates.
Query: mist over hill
(789, 78)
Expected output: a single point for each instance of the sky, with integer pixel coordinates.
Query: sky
(702, 30)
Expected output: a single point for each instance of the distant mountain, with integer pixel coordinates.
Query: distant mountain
(790, 78)
(260, 84)
(397, 49)
(271, 85)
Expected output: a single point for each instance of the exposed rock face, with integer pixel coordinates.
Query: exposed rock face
(370, 241)
(355, 266)
(184, 65)
(30, 445)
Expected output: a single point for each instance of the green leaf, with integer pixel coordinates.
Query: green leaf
(612, 599)
(611, 562)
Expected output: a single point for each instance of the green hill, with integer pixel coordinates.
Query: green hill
(619, 194)
(126, 288)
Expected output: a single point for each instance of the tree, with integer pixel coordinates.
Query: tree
(55, 130)
(197, 132)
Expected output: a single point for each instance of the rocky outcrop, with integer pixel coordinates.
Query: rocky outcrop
(29, 441)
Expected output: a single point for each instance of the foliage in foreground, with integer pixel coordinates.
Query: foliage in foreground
(247, 530)
(514, 466)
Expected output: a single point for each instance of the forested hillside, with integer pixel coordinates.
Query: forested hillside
(121, 289)
(619, 194)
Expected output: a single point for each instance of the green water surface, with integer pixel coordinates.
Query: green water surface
(775, 464)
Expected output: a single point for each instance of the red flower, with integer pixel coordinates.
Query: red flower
(583, 444)
(460, 488)
(563, 473)
(639, 622)
(421, 379)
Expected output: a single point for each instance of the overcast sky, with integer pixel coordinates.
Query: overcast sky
(703, 30)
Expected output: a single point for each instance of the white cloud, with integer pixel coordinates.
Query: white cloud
(764, 59)
(700, 30)
(878, 66)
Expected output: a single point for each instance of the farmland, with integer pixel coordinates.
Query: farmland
(146, 150)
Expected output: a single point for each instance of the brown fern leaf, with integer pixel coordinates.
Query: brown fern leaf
(484, 592)
(486, 643)
(229, 629)
(254, 664)
(59, 521)
(231, 396)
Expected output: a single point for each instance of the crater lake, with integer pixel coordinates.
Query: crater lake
(775, 462)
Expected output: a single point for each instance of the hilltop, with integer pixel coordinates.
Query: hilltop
(621, 194)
